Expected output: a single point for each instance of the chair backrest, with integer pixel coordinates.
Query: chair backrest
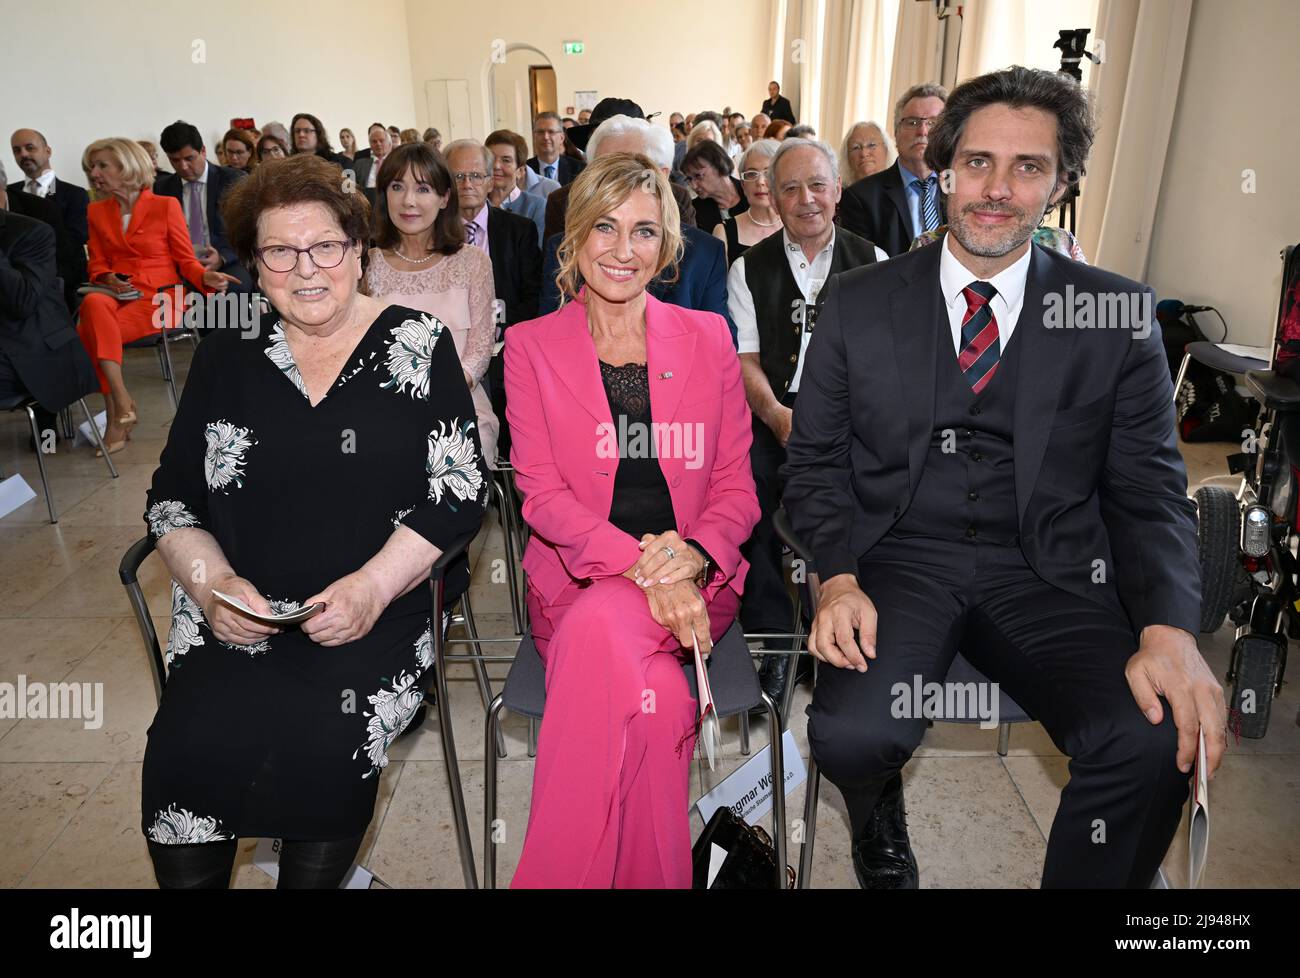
(128, 571)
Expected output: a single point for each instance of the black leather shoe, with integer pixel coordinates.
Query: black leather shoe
(882, 852)
(774, 671)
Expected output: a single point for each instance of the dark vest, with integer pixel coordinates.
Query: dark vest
(967, 490)
(778, 301)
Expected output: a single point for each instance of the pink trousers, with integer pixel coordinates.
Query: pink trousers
(611, 787)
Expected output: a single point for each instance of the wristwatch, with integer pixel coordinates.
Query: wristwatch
(706, 573)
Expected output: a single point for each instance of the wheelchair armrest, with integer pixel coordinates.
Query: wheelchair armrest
(1273, 391)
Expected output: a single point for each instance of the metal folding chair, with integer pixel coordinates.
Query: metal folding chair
(25, 402)
(735, 691)
(961, 671)
(128, 572)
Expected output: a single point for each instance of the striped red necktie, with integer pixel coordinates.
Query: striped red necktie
(980, 347)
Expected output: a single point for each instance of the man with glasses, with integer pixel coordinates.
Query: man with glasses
(510, 241)
(901, 202)
(773, 291)
(548, 143)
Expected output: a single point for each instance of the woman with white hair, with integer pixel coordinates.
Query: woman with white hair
(761, 219)
(866, 150)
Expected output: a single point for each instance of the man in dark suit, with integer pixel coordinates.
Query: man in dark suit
(199, 185)
(894, 206)
(550, 160)
(777, 106)
(69, 203)
(40, 353)
(510, 241)
(365, 169)
(1023, 502)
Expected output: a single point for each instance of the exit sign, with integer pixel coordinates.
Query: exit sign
(574, 47)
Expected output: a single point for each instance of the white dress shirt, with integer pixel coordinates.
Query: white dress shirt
(809, 276)
(1010, 283)
(41, 186)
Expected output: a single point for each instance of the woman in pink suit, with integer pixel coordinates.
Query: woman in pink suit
(631, 439)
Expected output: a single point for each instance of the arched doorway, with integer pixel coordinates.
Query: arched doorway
(514, 78)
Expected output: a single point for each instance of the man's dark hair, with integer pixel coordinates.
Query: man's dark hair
(708, 116)
(179, 135)
(709, 153)
(376, 125)
(1019, 88)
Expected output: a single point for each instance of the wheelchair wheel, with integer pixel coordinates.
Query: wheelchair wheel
(1218, 531)
(1258, 660)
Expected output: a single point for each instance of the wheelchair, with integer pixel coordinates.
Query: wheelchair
(1248, 540)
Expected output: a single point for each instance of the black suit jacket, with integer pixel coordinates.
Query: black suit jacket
(1097, 470)
(516, 264)
(567, 168)
(65, 211)
(220, 180)
(779, 109)
(36, 331)
(876, 208)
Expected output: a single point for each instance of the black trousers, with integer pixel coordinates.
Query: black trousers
(1059, 656)
(765, 605)
(207, 865)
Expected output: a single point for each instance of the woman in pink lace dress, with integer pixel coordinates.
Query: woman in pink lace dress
(421, 260)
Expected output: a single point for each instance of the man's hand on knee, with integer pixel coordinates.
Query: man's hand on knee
(844, 608)
(1168, 663)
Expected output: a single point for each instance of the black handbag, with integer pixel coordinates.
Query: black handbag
(750, 863)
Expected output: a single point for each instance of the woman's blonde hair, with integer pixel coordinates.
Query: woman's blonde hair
(602, 187)
(137, 168)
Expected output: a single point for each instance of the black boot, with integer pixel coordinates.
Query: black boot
(882, 852)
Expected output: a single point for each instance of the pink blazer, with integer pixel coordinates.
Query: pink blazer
(556, 405)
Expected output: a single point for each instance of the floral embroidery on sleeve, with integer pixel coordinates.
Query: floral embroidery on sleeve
(223, 461)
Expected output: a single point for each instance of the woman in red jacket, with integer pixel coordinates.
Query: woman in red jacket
(137, 240)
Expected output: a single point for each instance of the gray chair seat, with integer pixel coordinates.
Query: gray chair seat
(1212, 356)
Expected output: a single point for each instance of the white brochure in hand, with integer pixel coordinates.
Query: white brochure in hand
(295, 617)
(709, 735)
(1198, 818)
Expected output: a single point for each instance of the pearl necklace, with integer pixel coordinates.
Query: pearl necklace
(762, 224)
(414, 261)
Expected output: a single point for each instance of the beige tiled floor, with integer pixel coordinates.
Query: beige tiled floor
(69, 797)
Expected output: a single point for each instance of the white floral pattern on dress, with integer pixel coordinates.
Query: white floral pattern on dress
(452, 463)
(167, 515)
(175, 828)
(280, 608)
(223, 462)
(393, 710)
(424, 647)
(402, 514)
(410, 354)
(280, 355)
(186, 618)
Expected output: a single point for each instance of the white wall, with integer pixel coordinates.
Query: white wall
(1211, 243)
(80, 70)
(667, 56)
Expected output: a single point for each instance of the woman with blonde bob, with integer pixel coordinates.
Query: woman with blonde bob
(630, 443)
(138, 240)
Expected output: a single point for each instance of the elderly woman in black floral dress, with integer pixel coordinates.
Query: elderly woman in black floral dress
(329, 458)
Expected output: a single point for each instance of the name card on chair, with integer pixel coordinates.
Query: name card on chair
(14, 491)
(747, 791)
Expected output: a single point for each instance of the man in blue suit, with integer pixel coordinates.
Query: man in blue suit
(701, 276)
(199, 185)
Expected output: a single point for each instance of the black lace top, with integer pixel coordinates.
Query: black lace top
(641, 501)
